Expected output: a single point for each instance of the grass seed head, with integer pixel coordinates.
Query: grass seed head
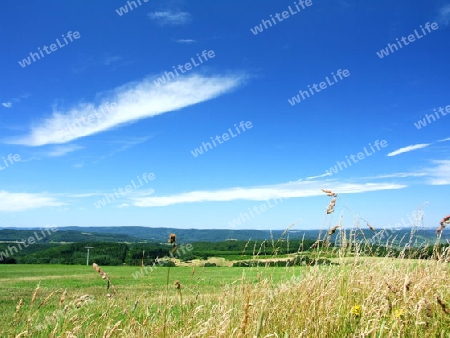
(333, 230)
(33, 298)
(172, 238)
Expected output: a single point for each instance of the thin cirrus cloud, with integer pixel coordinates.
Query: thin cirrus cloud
(134, 101)
(10, 201)
(444, 15)
(63, 150)
(408, 149)
(318, 176)
(263, 193)
(170, 18)
(440, 174)
(401, 175)
(7, 104)
(186, 41)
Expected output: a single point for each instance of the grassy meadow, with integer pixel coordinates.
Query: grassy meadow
(358, 297)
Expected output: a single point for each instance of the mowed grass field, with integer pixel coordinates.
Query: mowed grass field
(361, 297)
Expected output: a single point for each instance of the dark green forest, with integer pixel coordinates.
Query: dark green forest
(107, 253)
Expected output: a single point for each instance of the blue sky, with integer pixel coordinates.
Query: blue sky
(114, 58)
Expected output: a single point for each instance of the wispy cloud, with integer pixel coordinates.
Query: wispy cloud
(8, 104)
(440, 174)
(111, 59)
(408, 149)
(125, 144)
(25, 201)
(444, 15)
(400, 175)
(319, 176)
(263, 193)
(170, 18)
(135, 101)
(63, 150)
(445, 139)
(186, 41)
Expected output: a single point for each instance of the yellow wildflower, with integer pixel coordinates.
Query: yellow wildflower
(356, 310)
(398, 313)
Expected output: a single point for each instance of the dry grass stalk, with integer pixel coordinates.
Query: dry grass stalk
(105, 277)
(246, 317)
(111, 332)
(63, 298)
(18, 307)
(33, 297)
(45, 301)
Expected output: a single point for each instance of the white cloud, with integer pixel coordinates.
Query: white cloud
(7, 104)
(400, 175)
(186, 41)
(62, 150)
(135, 101)
(24, 201)
(444, 15)
(445, 139)
(263, 193)
(408, 149)
(170, 18)
(440, 175)
(319, 176)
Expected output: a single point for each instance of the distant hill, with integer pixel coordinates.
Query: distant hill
(62, 235)
(194, 235)
(139, 234)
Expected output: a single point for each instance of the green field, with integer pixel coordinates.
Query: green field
(19, 281)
